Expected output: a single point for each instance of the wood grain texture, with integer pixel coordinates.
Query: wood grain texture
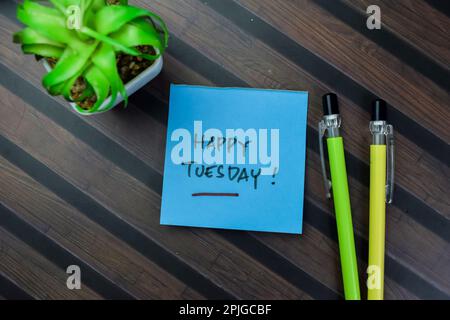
(275, 72)
(406, 19)
(76, 233)
(34, 273)
(428, 185)
(106, 214)
(357, 57)
(181, 244)
(135, 203)
(314, 192)
(300, 248)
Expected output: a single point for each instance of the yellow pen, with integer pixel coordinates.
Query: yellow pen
(381, 192)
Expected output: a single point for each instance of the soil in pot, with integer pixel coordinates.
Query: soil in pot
(128, 66)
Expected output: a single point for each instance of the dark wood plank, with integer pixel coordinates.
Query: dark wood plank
(362, 60)
(190, 294)
(147, 140)
(150, 136)
(411, 237)
(63, 223)
(407, 240)
(89, 242)
(298, 251)
(416, 22)
(392, 43)
(302, 247)
(137, 204)
(365, 141)
(10, 290)
(257, 65)
(36, 275)
(411, 233)
(264, 68)
(418, 179)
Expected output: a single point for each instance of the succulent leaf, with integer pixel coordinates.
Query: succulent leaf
(85, 46)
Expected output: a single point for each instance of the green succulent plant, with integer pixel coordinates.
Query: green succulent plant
(84, 37)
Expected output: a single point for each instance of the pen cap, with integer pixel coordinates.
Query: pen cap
(379, 110)
(330, 104)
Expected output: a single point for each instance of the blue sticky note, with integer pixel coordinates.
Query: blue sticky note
(235, 159)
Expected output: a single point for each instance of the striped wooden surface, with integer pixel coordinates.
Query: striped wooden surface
(87, 190)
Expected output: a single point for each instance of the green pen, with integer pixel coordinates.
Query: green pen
(329, 128)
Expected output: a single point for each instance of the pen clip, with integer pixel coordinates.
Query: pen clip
(326, 181)
(390, 165)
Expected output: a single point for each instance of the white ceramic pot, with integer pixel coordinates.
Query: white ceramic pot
(131, 87)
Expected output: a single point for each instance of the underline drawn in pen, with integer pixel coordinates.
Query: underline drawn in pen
(215, 194)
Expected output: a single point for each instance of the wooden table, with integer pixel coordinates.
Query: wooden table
(86, 191)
